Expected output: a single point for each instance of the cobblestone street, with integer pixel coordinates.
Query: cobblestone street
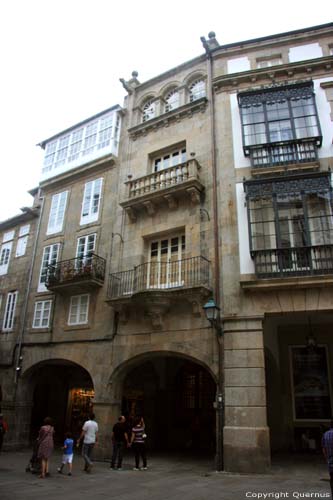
(173, 477)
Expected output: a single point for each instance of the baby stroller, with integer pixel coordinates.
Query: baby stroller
(34, 464)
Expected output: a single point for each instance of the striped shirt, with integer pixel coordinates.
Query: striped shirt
(138, 432)
(327, 444)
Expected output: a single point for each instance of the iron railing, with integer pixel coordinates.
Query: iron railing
(283, 154)
(163, 179)
(297, 261)
(78, 269)
(153, 276)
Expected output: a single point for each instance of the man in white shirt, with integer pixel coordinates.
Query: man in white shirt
(89, 435)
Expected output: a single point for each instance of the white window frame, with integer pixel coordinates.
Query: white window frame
(52, 258)
(83, 252)
(91, 201)
(149, 110)
(42, 314)
(197, 89)
(22, 241)
(172, 100)
(9, 316)
(77, 302)
(8, 236)
(269, 62)
(5, 251)
(170, 158)
(57, 213)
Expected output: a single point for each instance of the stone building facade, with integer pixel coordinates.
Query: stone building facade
(214, 181)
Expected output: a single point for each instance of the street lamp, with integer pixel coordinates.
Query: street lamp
(212, 312)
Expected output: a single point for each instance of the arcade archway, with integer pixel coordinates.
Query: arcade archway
(176, 397)
(63, 391)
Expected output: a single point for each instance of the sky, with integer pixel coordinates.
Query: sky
(61, 62)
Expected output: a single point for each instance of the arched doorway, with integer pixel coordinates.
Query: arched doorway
(176, 398)
(63, 391)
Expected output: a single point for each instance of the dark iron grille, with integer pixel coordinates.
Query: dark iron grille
(78, 269)
(283, 154)
(150, 276)
(297, 261)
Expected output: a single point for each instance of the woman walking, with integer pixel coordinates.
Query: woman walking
(138, 443)
(45, 446)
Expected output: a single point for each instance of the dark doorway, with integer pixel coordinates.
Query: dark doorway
(176, 398)
(63, 392)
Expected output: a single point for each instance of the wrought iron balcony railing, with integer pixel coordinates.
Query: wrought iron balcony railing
(156, 276)
(283, 154)
(297, 261)
(91, 269)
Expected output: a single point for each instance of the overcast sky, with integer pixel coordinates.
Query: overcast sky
(61, 61)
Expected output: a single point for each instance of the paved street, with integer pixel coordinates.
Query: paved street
(172, 477)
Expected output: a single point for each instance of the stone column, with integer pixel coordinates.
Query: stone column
(246, 435)
(18, 416)
(106, 413)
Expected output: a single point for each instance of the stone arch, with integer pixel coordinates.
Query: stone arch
(174, 85)
(59, 388)
(145, 98)
(194, 75)
(119, 373)
(172, 390)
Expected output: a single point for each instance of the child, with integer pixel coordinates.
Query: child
(67, 457)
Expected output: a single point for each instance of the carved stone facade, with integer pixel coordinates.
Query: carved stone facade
(166, 212)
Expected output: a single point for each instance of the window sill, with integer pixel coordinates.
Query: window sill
(83, 326)
(165, 119)
(254, 284)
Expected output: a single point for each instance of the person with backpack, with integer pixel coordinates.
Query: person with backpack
(3, 429)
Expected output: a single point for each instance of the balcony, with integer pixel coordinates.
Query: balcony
(294, 262)
(300, 154)
(156, 285)
(165, 186)
(76, 275)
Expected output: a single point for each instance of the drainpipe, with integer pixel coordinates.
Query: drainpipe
(20, 339)
(209, 45)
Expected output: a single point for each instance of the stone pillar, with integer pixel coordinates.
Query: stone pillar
(18, 416)
(246, 435)
(106, 413)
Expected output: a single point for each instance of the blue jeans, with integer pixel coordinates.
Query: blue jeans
(117, 452)
(86, 453)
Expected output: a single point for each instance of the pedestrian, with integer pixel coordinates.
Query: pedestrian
(45, 446)
(327, 446)
(89, 435)
(119, 441)
(67, 457)
(3, 429)
(138, 443)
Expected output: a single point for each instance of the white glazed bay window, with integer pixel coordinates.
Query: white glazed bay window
(91, 201)
(78, 310)
(57, 213)
(5, 251)
(8, 321)
(92, 139)
(42, 314)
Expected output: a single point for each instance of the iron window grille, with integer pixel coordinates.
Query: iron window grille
(291, 225)
(280, 124)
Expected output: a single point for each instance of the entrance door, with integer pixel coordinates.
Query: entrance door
(165, 261)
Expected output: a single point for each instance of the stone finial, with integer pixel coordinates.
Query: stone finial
(211, 43)
(131, 83)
